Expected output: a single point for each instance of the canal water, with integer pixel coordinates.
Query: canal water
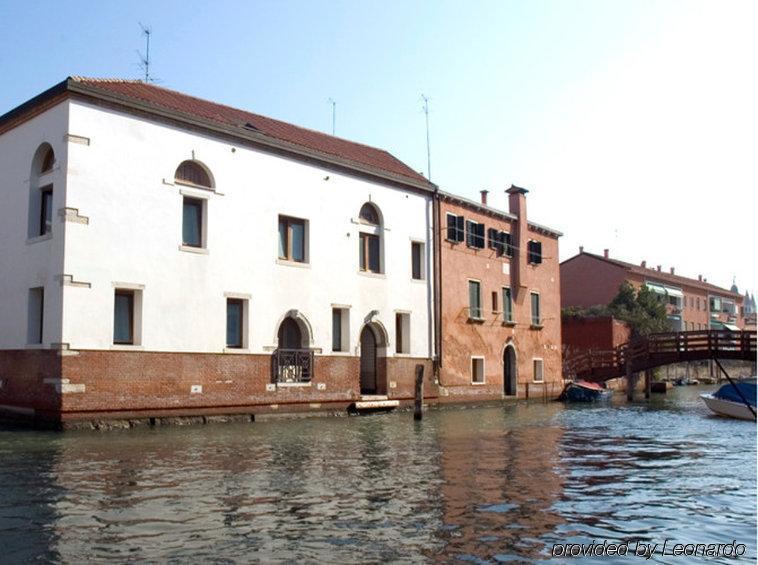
(489, 483)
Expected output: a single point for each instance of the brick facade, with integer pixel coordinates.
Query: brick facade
(464, 337)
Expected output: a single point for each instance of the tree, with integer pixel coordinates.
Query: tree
(641, 309)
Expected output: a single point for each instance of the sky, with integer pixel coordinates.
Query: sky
(634, 124)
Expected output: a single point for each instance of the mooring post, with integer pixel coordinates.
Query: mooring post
(648, 382)
(629, 382)
(418, 412)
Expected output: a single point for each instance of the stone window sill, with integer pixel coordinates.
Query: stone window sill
(236, 350)
(372, 275)
(475, 383)
(288, 263)
(37, 239)
(126, 347)
(536, 326)
(192, 249)
(474, 320)
(509, 323)
(292, 385)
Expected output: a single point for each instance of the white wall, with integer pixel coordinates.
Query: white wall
(123, 181)
(30, 262)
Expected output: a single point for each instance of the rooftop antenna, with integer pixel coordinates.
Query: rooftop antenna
(428, 149)
(145, 59)
(334, 115)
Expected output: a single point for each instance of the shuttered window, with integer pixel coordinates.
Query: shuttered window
(507, 305)
(455, 232)
(474, 234)
(535, 252)
(474, 299)
(500, 241)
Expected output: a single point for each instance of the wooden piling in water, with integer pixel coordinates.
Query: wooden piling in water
(648, 382)
(418, 408)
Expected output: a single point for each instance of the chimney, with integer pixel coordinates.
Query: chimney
(672, 270)
(517, 207)
(659, 268)
(484, 196)
(606, 252)
(581, 249)
(700, 278)
(643, 264)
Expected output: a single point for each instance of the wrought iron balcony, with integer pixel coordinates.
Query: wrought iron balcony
(292, 366)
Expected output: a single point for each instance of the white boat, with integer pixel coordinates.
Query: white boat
(727, 401)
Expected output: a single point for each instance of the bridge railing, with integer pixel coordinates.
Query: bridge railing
(662, 349)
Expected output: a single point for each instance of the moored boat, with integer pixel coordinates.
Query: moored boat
(583, 391)
(727, 400)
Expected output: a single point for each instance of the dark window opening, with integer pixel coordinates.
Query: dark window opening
(190, 172)
(417, 260)
(474, 234)
(46, 211)
(455, 228)
(123, 317)
(234, 318)
(534, 249)
(368, 253)
(291, 239)
(474, 300)
(192, 222)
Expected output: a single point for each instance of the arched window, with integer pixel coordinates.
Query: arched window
(370, 239)
(48, 160)
(290, 336)
(369, 214)
(191, 172)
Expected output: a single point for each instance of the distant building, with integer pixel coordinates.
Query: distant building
(692, 304)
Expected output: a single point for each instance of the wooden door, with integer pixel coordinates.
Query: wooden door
(368, 361)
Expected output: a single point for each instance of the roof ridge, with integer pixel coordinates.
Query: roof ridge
(236, 109)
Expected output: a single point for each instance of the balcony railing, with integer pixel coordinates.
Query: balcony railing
(292, 366)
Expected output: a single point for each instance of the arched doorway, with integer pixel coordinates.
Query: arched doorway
(368, 361)
(292, 361)
(510, 371)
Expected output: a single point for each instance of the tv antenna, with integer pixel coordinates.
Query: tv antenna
(334, 115)
(147, 31)
(428, 148)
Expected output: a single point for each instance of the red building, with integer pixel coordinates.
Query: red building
(692, 304)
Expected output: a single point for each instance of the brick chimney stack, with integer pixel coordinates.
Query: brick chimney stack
(700, 278)
(606, 252)
(581, 249)
(643, 264)
(517, 207)
(672, 270)
(659, 268)
(484, 196)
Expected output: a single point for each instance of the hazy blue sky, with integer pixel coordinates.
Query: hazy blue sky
(634, 124)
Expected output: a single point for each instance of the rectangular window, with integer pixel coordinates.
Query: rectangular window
(402, 333)
(536, 319)
(235, 309)
(292, 239)
(474, 234)
(507, 305)
(417, 260)
(474, 300)
(368, 253)
(340, 329)
(494, 302)
(537, 370)
(455, 231)
(534, 249)
(46, 211)
(477, 370)
(123, 317)
(192, 222)
(36, 310)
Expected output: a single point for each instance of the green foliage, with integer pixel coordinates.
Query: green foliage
(641, 309)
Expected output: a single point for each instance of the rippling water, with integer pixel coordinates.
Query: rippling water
(491, 483)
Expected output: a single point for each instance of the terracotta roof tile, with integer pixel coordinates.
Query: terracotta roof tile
(228, 116)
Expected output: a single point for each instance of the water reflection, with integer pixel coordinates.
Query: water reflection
(484, 484)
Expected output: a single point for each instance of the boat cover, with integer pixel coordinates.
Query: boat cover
(727, 392)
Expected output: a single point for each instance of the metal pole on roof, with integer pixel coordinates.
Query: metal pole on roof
(334, 115)
(428, 149)
(145, 59)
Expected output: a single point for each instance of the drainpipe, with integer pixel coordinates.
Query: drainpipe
(437, 288)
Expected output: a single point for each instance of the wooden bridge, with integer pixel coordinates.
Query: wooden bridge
(657, 350)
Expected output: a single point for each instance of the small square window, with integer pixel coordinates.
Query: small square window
(537, 366)
(477, 370)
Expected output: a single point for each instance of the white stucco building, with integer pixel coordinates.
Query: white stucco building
(167, 254)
